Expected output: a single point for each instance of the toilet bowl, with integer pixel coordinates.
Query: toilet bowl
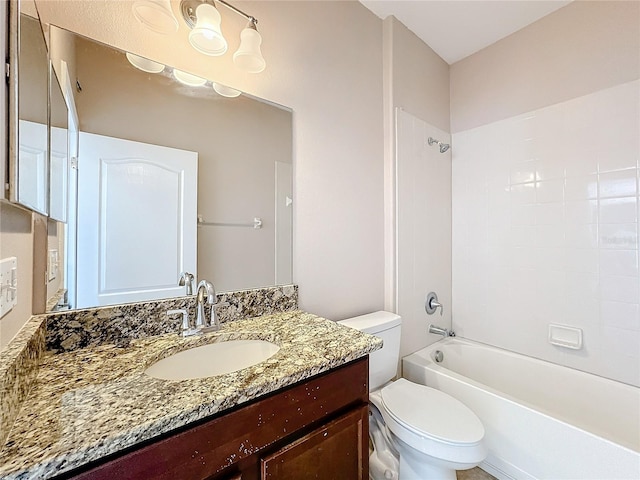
(418, 432)
(434, 433)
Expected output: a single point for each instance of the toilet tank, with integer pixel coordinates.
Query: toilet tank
(383, 363)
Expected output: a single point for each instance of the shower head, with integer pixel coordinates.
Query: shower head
(443, 146)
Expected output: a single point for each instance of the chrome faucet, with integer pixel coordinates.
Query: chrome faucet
(206, 292)
(441, 331)
(186, 279)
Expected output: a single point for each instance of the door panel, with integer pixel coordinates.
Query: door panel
(136, 220)
(32, 182)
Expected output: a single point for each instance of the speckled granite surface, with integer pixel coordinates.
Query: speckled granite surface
(55, 300)
(18, 370)
(95, 401)
(74, 329)
(117, 325)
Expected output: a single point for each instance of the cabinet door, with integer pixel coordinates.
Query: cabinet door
(337, 450)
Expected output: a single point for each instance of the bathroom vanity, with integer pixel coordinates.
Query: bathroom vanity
(317, 427)
(93, 412)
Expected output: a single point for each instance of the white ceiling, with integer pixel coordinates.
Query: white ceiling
(455, 29)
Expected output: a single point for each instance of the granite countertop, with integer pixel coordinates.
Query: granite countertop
(95, 401)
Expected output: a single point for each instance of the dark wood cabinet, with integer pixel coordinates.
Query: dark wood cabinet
(333, 451)
(316, 429)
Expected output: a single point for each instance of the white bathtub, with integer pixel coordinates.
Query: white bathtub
(542, 421)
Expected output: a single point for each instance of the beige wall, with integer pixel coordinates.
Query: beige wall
(333, 83)
(16, 241)
(33, 84)
(581, 48)
(420, 78)
(416, 81)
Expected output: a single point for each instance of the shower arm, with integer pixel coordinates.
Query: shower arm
(443, 146)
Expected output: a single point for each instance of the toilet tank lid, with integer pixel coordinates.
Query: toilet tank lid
(373, 322)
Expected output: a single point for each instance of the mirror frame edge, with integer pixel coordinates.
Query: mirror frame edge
(13, 108)
(12, 99)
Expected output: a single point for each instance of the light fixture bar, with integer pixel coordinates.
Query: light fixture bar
(188, 9)
(238, 11)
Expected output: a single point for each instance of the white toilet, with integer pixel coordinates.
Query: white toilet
(423, 433)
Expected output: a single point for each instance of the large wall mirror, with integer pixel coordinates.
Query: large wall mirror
(174, 173)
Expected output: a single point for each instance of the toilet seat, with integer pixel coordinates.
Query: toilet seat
(431, 413)
(431, 422)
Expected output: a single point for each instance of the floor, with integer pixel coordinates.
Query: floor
(474, 474)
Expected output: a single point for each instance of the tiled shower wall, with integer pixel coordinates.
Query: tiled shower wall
(545, 230)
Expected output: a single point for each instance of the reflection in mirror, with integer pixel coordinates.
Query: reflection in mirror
(31, 185)
(171, 179)
(58, 150)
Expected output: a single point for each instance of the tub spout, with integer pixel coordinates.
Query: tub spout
(441, 331)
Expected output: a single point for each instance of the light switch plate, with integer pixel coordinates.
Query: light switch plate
(8, 284)
(52, 266)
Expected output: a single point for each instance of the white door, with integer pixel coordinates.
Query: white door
(32, 174)
(137, 220)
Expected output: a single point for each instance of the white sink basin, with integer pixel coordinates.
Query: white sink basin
(213, 359)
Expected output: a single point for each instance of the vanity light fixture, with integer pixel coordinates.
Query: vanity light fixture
(144, 64)
(206, 36)
(249, 57)
(225, 91)
(156, 15)
(203, 18)
(188, 79)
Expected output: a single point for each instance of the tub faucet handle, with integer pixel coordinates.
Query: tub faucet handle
(431, 304)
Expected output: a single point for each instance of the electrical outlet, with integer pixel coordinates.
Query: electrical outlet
(8, 284)
(52, 267)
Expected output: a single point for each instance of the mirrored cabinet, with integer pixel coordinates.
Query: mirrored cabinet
(28, 160)
(58, 149)
(38, 160)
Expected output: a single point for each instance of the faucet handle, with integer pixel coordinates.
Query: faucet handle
(214, 314)
(186, 327)
(431, 304)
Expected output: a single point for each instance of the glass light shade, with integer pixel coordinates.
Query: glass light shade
(249, 57)
(144, 64)
(188, 79)
(206, 36)
(156, 15)
(226, 91)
